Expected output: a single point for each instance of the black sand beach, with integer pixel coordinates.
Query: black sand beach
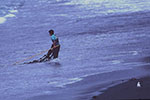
(128, 91)
(104, 49)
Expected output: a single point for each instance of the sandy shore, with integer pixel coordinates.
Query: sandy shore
(127, 91)
(90, 87)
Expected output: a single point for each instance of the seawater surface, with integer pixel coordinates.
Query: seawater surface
(96, 37)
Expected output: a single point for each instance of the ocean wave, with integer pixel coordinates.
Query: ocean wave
(8, 8)
(53, 1)
(10, 15)
(106, 7)
(13, 11)
(4, 19)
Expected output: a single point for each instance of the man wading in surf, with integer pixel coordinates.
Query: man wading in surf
(54, 50)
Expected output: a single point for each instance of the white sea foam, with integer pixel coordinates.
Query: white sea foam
(55, 60)
(111, 6)
(134, 52)
(63, 15)
(47, 92)
(116, 61)
(69, 81)
(2, 20)
(13, 11)
(10, 15)
(75, 79)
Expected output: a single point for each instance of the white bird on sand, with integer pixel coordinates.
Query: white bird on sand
(138, 84)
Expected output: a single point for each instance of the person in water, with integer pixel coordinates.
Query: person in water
(55, 47)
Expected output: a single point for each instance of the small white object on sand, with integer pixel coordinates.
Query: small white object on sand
(138, 84)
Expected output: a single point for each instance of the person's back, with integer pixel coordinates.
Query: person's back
(55, 39)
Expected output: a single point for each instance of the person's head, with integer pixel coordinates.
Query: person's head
(51, 32)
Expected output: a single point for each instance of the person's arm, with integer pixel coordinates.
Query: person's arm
(54, 44)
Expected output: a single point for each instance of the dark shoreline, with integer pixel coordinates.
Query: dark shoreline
(127, 90)
(91, 86)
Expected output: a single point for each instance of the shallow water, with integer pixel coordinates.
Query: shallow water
(96, 37)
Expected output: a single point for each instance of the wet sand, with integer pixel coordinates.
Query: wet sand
(107, 86)
(127, 91)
